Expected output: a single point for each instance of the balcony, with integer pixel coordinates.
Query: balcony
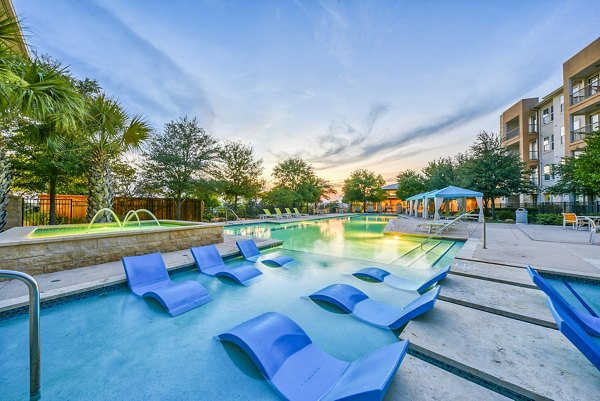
(586, 92)
(533, 128)
(513, 133)
(533, 155)
(580, 133)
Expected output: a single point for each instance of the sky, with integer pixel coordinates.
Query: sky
(381, 85)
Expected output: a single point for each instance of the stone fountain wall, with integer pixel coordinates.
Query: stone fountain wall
(46, 255)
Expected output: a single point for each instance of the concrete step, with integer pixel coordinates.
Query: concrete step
(531, 360)
(417, 380)
(526, 304)
(493, 272)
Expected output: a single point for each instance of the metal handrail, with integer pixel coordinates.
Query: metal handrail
(593, 229)
(441, 229)
(226, 209)
(35, 391)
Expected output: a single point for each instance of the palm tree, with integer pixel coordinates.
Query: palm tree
(36, 95)
(110, 132)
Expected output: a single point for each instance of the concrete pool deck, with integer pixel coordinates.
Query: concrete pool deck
(490, 329)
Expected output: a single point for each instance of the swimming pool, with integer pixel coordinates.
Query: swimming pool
(357, 237)
(115, 346)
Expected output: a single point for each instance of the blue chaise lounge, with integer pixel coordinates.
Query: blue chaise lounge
(209, 261)
(383, 276)
(300, 371)
(582, 328)
(147, 276)
(251, 252)
(352, 300)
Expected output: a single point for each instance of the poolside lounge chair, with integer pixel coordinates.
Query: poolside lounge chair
(588, 321)
(147, 276)
(281, 215)
(384, 276)
(297, 212)
(250, 252)
(268, 215)
(354, 301)
(576, 221)
(587, 344)
(209, 261)
(299, 370)
(290, 213)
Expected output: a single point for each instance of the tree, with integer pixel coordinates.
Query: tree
(492, 169)
(410, 183)
(290, 173)
(33, 93)
(110, 132)
(441, 173)
(587, 165)
(125, 178)
(239, 172)
(314, 189)
(46, 167)
(279, 197)
(363, 186)
(179, 159)
(580, 175)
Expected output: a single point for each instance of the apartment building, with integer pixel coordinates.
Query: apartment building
(544, 131)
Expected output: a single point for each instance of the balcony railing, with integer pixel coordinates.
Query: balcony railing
(513, 133)
(580, 133)
(533, 155)
(533, 128)
(585, 92)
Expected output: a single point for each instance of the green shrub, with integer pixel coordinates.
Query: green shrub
(547, 219)
(505, 215)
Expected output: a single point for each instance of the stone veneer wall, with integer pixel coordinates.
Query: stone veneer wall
(38, 256)
(14, 212)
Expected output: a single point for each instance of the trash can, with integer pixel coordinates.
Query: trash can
(521, 217)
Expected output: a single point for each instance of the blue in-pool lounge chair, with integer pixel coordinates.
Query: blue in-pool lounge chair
(384, 276)
(147, 276)
(588, 320)
(352, 300)
(300, 371)
(251, 252)
(209, 261)
(586, 343)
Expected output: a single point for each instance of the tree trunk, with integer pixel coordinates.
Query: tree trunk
(178, 210)
(235, 202)
(5, 180)
(100, 188)
(364, 207)
(493, 210)
(52, 193)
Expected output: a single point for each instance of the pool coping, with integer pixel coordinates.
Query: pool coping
(46, 297)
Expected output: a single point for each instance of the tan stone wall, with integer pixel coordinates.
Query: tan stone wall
(40, 257)
(14, 212)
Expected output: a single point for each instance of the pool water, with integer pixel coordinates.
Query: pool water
(82, 229)
(358, 237)
(116, 346)
(587, 292)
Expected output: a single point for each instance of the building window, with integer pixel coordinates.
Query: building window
(546, 115)
(551, 113)
(562, 135)
(594, 84)
(548, 172)
(562, 103)
(548, 143)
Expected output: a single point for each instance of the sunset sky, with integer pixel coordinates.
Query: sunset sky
(383, 85)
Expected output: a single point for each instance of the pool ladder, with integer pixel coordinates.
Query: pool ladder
(35, 392)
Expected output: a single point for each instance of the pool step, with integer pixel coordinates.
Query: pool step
(533, 361)
(416, 253)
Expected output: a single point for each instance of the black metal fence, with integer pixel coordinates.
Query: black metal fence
(590, 208)
(72, 211)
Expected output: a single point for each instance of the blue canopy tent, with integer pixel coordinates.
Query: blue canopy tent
(452, 192)
(413, 204)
